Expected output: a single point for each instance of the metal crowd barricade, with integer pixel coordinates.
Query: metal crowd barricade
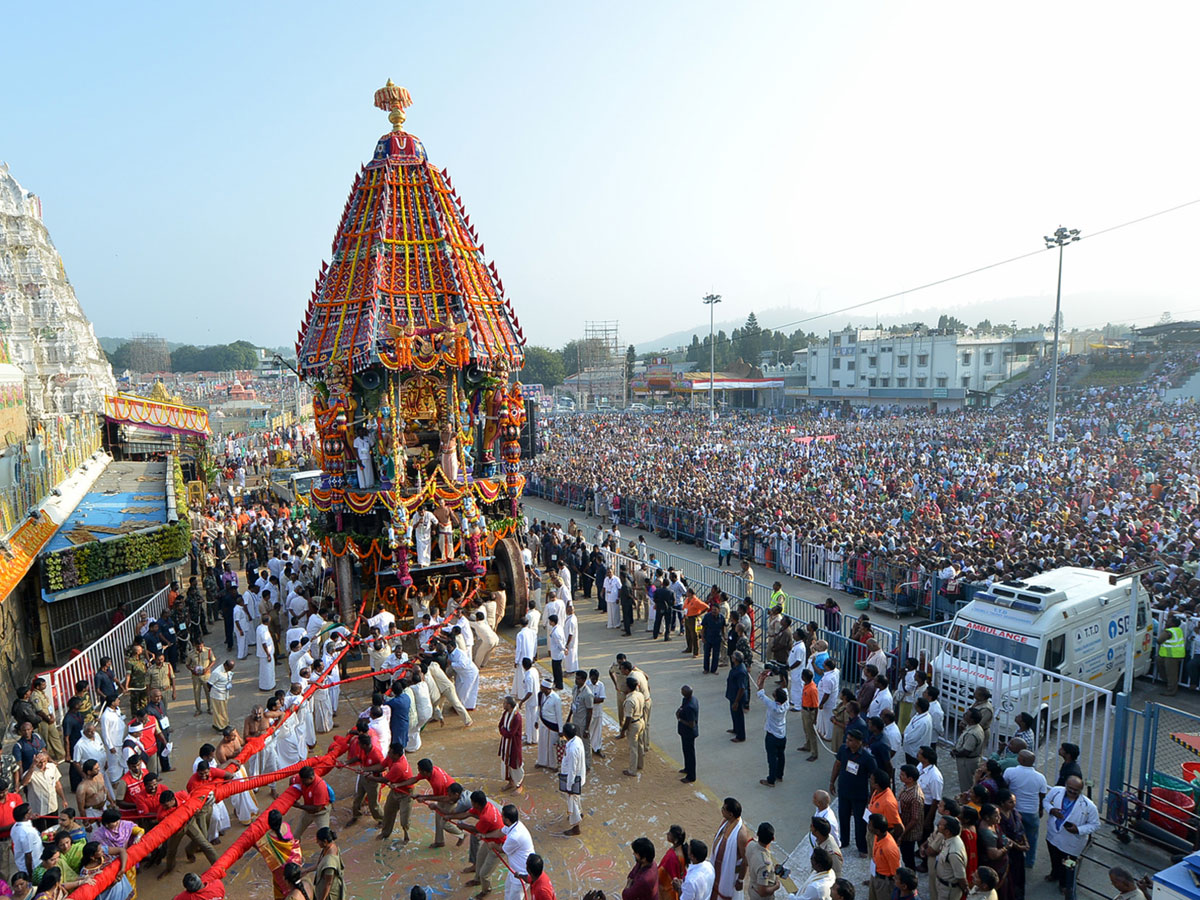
(1065, 709)
(113, 645)
(809, 562)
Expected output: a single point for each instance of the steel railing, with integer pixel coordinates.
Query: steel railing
(1063, 708)
(889, 586)
(836, 627)
(84, 665)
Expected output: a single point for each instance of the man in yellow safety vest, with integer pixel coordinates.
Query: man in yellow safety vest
(1171, 651)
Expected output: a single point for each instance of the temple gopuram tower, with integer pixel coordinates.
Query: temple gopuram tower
(412, 350)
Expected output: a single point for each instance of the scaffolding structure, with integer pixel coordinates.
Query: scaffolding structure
(602, 375)
(149, 353)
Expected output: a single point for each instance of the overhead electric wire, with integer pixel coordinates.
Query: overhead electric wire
(969, 272)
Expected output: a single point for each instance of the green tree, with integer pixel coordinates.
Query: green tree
(750, 343)
(630, 359)
(187, 358)
(543, 366)
(119, 359)
(950, 324)
(693, 351)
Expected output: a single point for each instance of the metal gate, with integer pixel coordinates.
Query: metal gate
(1065, 710)
(1156, 752)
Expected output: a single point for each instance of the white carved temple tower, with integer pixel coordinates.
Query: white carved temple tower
(49, 337)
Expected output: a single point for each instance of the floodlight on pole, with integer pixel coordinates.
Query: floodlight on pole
(711, 300)
(1059, 239)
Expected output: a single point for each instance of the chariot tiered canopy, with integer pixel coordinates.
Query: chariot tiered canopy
(406, 260)
(411, 348)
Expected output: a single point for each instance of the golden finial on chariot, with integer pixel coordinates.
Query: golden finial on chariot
(393, 99)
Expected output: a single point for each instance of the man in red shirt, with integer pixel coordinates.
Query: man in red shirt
(540, 887)
(133, 785)
(397, 775)
(194, 888)
(314, 802)
(485, 833)
(196, 830)
(145, 728)
(439, 796)
(369, 760)
(205, 775)
(148, 800)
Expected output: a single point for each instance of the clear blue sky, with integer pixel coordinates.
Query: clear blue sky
(619, 160)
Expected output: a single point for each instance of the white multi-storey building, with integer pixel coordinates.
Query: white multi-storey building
(868, 366)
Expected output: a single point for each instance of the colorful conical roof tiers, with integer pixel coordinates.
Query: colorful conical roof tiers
(406, 262)
(412, 351)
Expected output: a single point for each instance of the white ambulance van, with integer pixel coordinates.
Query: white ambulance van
(1070, 622)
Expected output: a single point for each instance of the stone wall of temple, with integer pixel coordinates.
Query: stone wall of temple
(48, 335)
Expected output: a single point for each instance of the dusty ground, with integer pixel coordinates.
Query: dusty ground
(616, 808)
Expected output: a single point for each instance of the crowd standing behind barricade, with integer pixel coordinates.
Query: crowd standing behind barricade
(972, 496)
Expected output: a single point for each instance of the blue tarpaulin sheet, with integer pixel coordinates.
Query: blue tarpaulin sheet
(143, 508)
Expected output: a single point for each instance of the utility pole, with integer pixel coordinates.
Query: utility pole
(711, 300)
(1060, 238)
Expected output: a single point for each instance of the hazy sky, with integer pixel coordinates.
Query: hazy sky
(619, 160)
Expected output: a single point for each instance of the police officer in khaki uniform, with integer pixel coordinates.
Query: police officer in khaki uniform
(634, 708)
(761, 880)
(200, 663)
(643, 688)
(618, 680)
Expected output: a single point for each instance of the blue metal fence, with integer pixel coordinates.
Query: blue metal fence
(890, 587)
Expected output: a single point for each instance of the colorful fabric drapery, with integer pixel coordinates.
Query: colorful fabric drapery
(128, 409)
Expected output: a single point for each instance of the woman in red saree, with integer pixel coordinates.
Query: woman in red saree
(278, 848)
(512, 761)
(672, 865)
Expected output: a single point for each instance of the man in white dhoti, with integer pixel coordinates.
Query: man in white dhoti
(599, 692)
(113, 730)
(550, 715)
(423, 533)
(526, 695)
(827, 698)
(534, 614)
(242, 626)
(264, 647)
(307, 719)
(322, 708)
(555, 607)
(517, 848)
(442, 693)
(365, 468)
(571, 649)
(729, 851)
(526, 648)
(333, 648)
(486, 639)
(298, 658)
(289, 735)
(612, 599)
(572, 776)
(466, 678)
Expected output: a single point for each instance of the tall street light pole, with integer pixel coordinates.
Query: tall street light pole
(711, 301)
(1060, 238)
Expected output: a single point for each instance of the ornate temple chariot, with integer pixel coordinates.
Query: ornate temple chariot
(411, 349)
